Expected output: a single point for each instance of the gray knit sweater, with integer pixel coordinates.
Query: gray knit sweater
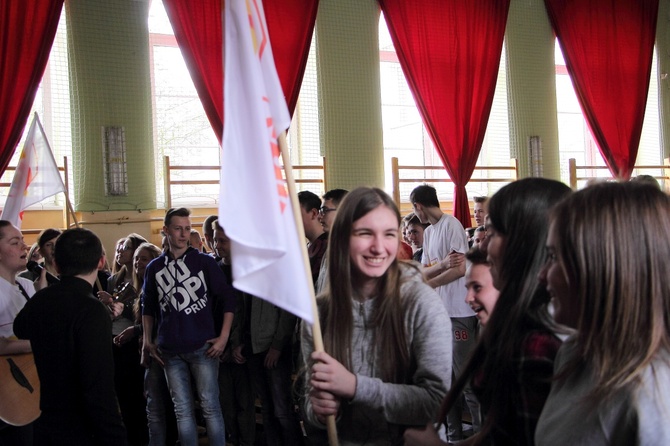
(640, 417)
(379, 411)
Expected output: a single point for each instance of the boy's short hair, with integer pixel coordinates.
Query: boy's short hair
(424, 195)
(309, 200)
(476, 256)
(335, 195)
(412, 219)
(77, 251)
(175, 212)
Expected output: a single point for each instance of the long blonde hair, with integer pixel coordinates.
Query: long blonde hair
(391, 346)
(613, 240)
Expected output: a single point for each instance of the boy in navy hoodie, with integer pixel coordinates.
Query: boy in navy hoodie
(180, 288)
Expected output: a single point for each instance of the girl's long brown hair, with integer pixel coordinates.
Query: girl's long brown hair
(614, 245)
(520, 213)
(391, 348)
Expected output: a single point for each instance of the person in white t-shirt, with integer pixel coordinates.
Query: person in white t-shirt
(444, 248)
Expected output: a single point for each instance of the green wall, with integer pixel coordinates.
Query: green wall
(347, 33)
(108, 54)
(531, 85)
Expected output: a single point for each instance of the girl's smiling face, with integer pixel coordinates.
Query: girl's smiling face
(373, 245)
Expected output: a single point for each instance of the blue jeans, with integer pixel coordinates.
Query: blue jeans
(205, 371)
(160, 411)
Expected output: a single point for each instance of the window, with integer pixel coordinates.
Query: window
(181, 128)
(183, 132)
(574, 136)
(52, 104)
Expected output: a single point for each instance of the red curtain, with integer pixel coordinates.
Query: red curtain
(450, 52)
(27, 31)
(198, 30)
(608, 47)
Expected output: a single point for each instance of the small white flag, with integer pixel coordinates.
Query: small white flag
(255, 210)
(36, 177)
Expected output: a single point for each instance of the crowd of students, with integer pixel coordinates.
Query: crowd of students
(553, 328)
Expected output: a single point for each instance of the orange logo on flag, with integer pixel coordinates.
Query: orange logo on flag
(281, 186)
(259, 38)
(259, 47)
(30, 177)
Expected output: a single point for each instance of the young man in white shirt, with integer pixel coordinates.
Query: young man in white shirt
(444, 248)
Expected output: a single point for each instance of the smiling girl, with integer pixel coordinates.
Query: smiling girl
(387, 334)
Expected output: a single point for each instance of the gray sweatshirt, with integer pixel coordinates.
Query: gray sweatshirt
(379, 411)
(638, 418)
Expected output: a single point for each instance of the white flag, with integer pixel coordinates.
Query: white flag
(36, 177)
(255, 210)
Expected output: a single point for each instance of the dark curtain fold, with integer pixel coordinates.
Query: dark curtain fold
(608, 48)
(450, 52)
(27, 32)
(198, 29)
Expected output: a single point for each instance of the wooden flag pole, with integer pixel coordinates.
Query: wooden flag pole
(316, 327)
(76, 225)
(70, 209)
